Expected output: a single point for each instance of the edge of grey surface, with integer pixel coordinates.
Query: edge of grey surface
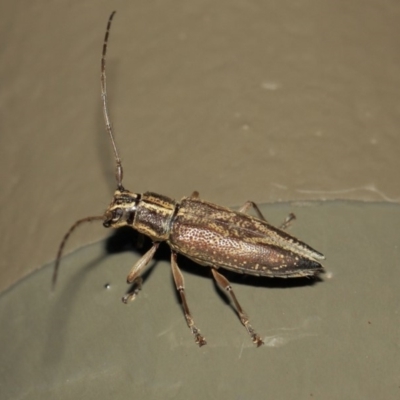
(334, 338)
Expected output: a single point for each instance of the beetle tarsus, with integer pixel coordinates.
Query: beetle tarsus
(199, 339)
(287, 222)
(254, 336)
(133, 293)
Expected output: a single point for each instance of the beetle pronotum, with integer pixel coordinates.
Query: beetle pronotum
(206, 233)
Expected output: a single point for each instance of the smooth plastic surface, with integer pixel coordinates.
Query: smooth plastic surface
(333, 339)
(239, 99)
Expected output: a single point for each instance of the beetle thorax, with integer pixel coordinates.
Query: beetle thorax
(148, 213)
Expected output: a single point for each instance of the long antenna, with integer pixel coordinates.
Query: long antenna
(62, 244)
(118, 169)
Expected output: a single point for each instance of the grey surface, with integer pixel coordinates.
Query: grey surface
(239, 99)
(335, 339)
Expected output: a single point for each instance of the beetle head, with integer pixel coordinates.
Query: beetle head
(122, 209)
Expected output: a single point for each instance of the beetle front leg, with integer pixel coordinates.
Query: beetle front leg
(224, 284)
(180, 286)
(134, 274)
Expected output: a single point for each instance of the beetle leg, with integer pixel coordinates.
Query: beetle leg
(134, 274)
(224, 284)
(180, 286)
(285, 224)
(245, 207)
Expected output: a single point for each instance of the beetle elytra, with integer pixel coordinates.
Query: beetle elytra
(206, 233)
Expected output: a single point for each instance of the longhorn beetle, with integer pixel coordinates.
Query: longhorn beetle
(208, 234)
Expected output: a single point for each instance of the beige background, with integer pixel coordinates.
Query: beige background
(262, 100)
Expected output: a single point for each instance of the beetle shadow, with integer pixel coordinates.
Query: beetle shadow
(127, 239)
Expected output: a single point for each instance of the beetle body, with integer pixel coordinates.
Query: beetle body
(215, 236)
(209, 234)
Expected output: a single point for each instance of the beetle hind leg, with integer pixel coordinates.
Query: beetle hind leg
(180, 287)
(287, 222)
(250, 204)
(224, 284)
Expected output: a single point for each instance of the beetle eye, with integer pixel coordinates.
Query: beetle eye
(117, 214)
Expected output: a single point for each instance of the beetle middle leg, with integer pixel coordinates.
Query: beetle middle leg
(224, 284)
(245, 207)
(180, 286)
(134, 274)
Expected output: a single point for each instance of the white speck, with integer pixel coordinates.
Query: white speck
(279, 186)
(182, 36)
(270, 85)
